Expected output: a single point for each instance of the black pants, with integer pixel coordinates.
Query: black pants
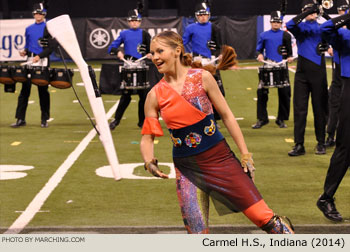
(44, 97)
(310, 78)
(125, 101)
(334, 101)
(283, 103)
(340, 160)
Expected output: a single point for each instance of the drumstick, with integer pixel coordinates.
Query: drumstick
(270, 63)
(211, 62)
(62, 29)
(141, 58)
(127, 62)
(276, 63)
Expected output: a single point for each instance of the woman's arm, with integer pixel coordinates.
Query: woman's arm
(221, 106)
(229, 120)
(147, 141)
(151, 110)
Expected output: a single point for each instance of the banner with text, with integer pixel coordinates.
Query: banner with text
(12, 39)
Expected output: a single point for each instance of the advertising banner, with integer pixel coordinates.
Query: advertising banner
(101, 32)
(12, 39)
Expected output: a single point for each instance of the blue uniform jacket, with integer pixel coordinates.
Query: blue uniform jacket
(199, 35)
(131, 38)
(308, 36)
(270, 41)
(32, 34)
(340, 40)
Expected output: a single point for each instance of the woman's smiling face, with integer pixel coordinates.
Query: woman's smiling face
(163, 56)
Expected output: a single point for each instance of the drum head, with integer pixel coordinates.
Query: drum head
(40, 82)
(60, 78)
(7, 81)
(20, 74)
(61, 84)
(5, 75)
(40, 76)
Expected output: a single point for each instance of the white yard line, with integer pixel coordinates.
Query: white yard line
(53, 182)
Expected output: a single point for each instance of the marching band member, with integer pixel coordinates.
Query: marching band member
(339, 38)
(205, 164)
(310, 78)
(335, 88)
(33, 34)
(136, 44)
(277, 45)
(205, 39)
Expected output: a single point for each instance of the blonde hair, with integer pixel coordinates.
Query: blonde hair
(174, 40)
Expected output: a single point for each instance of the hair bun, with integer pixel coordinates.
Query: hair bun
(187, 59)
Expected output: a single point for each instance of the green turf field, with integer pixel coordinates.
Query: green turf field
(290, 185)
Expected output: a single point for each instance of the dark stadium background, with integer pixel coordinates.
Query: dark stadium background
(119, 8)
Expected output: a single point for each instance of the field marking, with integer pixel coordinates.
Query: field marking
(53, 182)
(127, 171)
(13, 171)
(16, 143)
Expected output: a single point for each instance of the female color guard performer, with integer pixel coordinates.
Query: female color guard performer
(205, 164)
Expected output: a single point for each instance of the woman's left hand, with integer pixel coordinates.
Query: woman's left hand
(248, 164)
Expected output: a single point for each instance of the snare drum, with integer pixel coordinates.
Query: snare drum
(273, 77)
(40, 76)
(61, 78)
(134, 77)
(5, 75)
(20, 73)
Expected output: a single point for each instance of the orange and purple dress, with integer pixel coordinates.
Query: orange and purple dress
(202, 158)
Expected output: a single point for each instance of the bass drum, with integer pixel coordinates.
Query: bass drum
(61, 78)
(5, 75)
(40, 76)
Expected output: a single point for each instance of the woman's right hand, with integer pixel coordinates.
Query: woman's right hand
(152, 167)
